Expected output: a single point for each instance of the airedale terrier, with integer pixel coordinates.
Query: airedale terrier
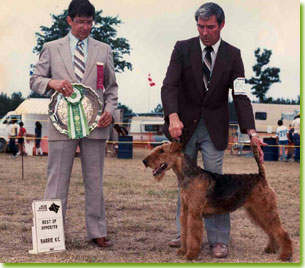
(203, 193)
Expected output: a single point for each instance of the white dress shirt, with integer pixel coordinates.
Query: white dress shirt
(73, 43)
(213, 53)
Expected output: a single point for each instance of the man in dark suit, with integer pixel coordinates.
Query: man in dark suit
(195, 101)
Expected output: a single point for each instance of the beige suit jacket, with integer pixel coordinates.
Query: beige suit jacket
(55, 62)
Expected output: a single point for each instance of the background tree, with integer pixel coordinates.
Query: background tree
(158, 109)
(9, 103)
(264, 76)
(286, 101)
(104, 31)
(126, 109)
(34, 95)
(4, 104)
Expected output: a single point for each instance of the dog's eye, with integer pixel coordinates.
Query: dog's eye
(161, 151)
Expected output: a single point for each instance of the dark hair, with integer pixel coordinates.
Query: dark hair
(207, 10)
(280, 122)
(81, 8)
(21, 124)
(38, 125)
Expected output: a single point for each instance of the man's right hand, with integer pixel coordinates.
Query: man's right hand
(175, 126)
(62, 86)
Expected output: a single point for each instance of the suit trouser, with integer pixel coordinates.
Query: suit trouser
(218, 226)
(60, 162)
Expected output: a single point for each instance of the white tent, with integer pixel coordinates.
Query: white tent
(33, 106)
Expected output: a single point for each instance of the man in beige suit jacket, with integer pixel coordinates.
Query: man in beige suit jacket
(55, 72)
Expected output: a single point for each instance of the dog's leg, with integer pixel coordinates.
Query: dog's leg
(194, 233)
(285, 241)
(183, 224)
(272, 246)
(262, 209)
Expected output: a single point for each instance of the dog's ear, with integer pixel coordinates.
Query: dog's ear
(175, 147)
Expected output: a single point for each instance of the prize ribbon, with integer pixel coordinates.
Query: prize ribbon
(77, 121)
(100, 75)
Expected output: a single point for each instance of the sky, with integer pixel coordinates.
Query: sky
(152, 28)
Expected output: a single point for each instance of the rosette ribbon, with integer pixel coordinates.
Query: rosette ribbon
(77, 121)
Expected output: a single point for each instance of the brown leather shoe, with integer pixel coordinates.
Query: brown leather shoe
(102, 242)
(175, 243)
(219, 250)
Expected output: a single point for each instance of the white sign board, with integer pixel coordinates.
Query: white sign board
(48, 231)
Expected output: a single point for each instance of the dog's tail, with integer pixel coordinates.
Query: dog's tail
(261, 167)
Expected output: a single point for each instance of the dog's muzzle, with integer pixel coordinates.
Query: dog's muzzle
(160, 169)
(145, 162)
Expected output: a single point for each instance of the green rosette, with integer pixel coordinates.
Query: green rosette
(77, 121)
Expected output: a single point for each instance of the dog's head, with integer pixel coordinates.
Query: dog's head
(163, 158)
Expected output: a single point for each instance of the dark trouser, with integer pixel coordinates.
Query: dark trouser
(37, 142)
(296, 141)
(12, 146)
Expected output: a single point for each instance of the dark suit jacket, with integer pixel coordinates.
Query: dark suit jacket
(183, 91)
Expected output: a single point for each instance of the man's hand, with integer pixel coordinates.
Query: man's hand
(105, 120)
(259, 142)
(175, 126)
(62, 86)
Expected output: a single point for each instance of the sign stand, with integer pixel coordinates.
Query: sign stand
(22, 165)
(48, 231)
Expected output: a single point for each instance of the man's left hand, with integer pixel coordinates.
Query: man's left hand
(259, 142)
(105, 120)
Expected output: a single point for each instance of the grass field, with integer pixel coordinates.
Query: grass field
(140, 212)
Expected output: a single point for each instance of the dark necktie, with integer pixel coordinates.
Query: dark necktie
(79, 61)
(207, 67)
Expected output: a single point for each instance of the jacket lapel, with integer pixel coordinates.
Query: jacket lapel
(218, 69)
(65, 53)
(92, 55)
(196, 61)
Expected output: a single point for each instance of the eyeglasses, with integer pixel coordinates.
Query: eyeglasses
(84, 22)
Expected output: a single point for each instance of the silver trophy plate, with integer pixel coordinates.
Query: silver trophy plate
(58, 108)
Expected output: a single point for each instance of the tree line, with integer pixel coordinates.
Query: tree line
(9, 103)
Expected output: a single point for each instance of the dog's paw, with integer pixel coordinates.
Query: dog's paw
(286, 257)
(191, 256)
(181, 251)
(270, 250)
